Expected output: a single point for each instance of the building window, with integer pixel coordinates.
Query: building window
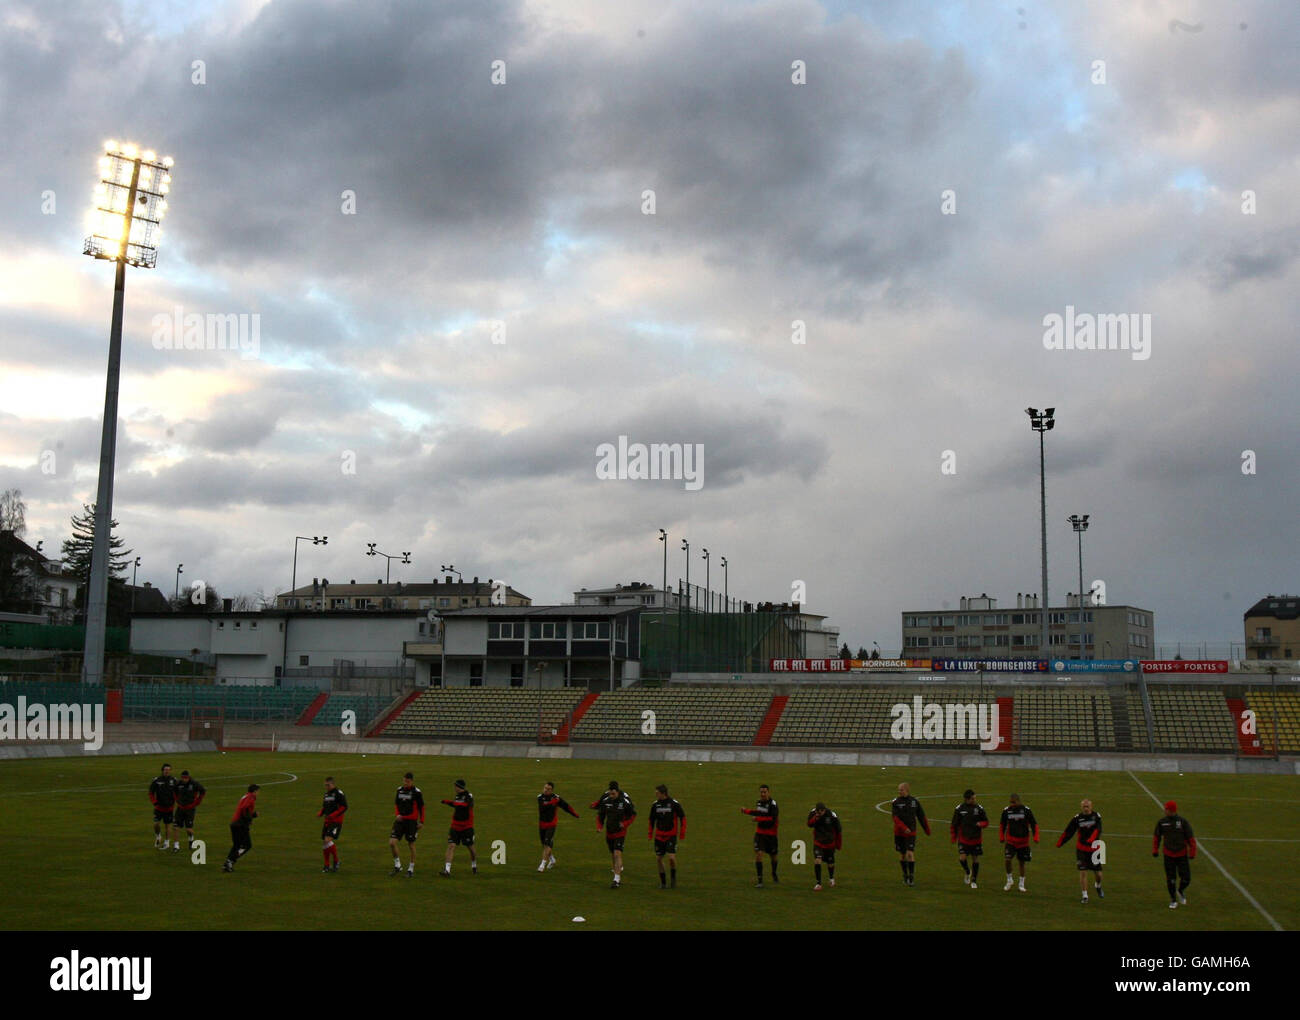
(476, 674)
(516, 674)
(221, 625)
(1017, 618)
(302, 660)
(252, 625)
(1057, 639)
(916, 642)
(236, 625)
(338, 603)
(444, 603)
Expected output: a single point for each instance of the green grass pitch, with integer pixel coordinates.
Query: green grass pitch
(77, 849)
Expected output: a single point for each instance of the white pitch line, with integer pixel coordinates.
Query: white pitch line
(136, 786)
(1215, 861)
(1137, 835)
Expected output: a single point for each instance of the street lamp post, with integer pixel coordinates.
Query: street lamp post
(708, 591)
(134, 570)
(388, 575)
(176, 595)
(124, 229)
(314, 540)
(726, 591)
(663, 537)
(687, 546)
(1042, 422)
(451, 569)
(1080, 525)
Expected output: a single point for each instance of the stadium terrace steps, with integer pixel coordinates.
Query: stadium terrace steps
(770, 721)
(562, 735)
(388, 719)
(309, 713)
(1247, 743)
(680, 715)
(1123, 724)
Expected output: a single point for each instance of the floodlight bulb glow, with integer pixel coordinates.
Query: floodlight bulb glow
(163, 189)
(168, 161)
(104, 164)
(130, 151)
(150, 155)
(111, 145)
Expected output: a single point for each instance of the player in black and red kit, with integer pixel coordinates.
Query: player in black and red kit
(1017, 825)
(667, 826)
(408, 806)
(549, 804)
(614, 813)
(969, 820)
(332, 809)
(1087, 823)
(1180, 848)
(908, 816)
(240, 822)
(828, 837)
(162, 795)
(548, 808)
(462, 827)
(767, 818)
(189, 795)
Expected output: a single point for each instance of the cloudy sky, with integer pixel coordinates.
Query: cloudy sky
(462, 290)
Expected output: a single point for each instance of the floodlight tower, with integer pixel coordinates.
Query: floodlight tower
(1080, 525)
(1042, 422)
(130, 202)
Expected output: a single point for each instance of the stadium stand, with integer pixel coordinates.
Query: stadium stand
(1187, 719)
(366, 706)
(1288, 719)
(242, 704)
(52, 693)
(486, 713)
(1078, 719)
(683, 715)
(861, 717)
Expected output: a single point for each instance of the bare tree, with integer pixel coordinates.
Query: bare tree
(13, 512)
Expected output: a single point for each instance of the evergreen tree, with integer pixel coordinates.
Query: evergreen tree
(77, 553)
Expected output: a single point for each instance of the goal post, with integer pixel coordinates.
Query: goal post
(208, 723)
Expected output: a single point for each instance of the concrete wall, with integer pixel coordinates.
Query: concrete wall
(174, 635)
